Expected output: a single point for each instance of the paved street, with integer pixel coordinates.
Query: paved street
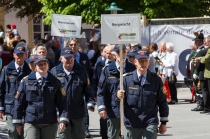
(184, 124)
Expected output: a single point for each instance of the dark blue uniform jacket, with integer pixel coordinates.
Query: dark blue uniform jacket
(141, 104)
(97, 73)
(76, 88)
(9, 83)
(38, 103)
(107, 89)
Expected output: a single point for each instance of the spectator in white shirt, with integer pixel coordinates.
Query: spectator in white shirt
(170, 65)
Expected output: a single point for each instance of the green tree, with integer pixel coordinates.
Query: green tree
(91, 10)
(24, 8)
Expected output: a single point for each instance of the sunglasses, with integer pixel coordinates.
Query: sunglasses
(73, 44)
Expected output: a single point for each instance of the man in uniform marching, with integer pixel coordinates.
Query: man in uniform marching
(11, 76)
(143, 98)
(38, 96)
(107, 101)
(76, 84)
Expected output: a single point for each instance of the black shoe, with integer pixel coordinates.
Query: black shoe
(87, 135)
(172, 102)
(203, 112)
(199, 108)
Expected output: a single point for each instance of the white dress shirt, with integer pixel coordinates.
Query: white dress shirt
(171, 64)
(17, 66)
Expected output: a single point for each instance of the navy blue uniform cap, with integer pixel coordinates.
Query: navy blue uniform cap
(20, 49)
(40, 58)
(142, 54)
(117, 47)
(67, 52)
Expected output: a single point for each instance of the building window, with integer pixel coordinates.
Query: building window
(40, 29)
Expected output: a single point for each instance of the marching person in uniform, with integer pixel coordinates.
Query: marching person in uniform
(11, 76)
(109, 57)
(76, 83)
(37, 98)
(31, 63)
(143, 96)
(83, 60)
(108, 103)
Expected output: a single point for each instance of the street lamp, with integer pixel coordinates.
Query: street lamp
(113, 8)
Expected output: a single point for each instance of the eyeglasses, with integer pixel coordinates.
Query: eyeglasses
(73, 44)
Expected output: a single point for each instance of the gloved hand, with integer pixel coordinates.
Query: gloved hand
(195, 76)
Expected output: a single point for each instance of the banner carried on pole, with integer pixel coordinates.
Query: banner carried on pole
(120, 28)
(66, 25)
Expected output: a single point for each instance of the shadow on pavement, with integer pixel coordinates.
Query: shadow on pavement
(165, 134)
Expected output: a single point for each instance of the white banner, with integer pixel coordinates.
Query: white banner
(120, 28)
(66, 25)
(181, 36)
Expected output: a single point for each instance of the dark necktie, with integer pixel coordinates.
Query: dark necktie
(40, 81)
(69, 76)
(19, 70)
(140, 79)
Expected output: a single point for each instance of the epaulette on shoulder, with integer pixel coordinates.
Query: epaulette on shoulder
(24, 78)
(104, 67)
(126, 74)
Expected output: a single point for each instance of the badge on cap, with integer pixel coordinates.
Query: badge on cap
(20, 48)
(164, 90)
(141, 53)
(68, 51)
(63, 92)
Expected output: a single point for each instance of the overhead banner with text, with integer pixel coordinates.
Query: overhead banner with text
(66, 25)
(181, 36)
(120, 28)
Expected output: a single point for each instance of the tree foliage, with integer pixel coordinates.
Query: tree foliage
(24, 8)
(91, 10)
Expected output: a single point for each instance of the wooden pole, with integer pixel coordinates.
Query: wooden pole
(64, 43)
(121, 88)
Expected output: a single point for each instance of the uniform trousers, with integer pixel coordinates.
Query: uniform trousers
(113, 125)
(40, 131)
(103, 128)
(206, 94)
(12, 132)
(75, 129)
(150, 132)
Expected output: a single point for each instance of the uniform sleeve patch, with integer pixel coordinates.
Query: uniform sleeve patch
(164, 90)
(63, 92)
(88, 81)
(17, 94)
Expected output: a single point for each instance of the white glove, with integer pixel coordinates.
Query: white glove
(195, 76)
